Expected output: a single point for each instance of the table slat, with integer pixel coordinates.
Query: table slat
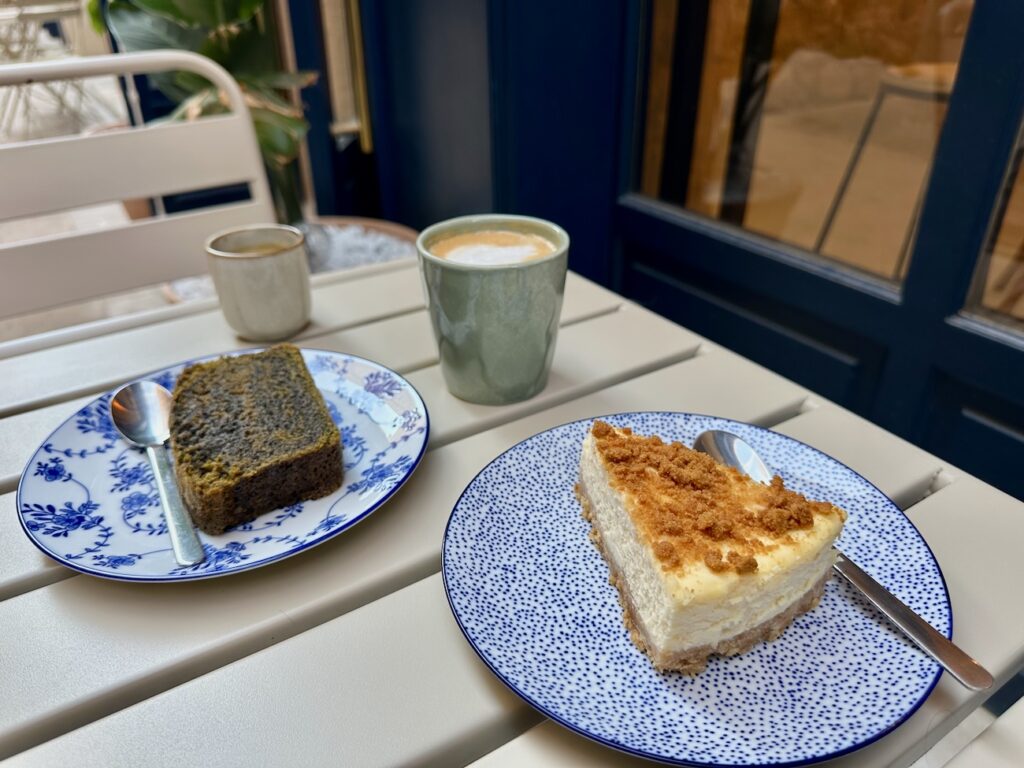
(901, 470)
(128, 645)
(1000, 746)
(549, 744)
(640, 340)
(51, 375)
(107, 325)
(23, 567)
(328, 705)
(94, 365)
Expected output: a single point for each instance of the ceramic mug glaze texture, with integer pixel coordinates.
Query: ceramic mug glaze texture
(262, 278)
(495, 325)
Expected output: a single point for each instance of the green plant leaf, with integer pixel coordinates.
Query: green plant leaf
(295, 127)
(277, 146)
(279, 80)
(136, 30)
(190, 82)
(203, 13)
(269, 99)
(203, 103)
(279, 136)
(95, 13)
(170, 10)
(284, 185)
(248, 8)
(243, 48)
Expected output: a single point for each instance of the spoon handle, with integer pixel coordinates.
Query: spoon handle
(961, 666)
(184, 542)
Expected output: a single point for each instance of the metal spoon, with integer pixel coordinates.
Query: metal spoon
(141, 413)
(733, 451)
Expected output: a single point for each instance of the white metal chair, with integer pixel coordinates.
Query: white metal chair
(49, 175)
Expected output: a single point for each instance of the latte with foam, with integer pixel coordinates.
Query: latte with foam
(492, 247)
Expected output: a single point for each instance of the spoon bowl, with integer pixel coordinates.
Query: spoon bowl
(141, 412)
(733, 451)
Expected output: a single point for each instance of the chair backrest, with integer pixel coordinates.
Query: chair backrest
(49, 175)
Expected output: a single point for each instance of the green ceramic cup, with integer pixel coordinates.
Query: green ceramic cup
(495, 325)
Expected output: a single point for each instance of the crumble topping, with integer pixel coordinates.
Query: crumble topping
(694, 509)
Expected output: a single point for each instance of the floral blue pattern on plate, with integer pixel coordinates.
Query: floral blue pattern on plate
(531, 595)
(89, 501)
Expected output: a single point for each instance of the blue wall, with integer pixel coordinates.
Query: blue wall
(478, 107)
(429, 89)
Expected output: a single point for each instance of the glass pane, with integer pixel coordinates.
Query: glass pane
(999, 288)
(811, 123)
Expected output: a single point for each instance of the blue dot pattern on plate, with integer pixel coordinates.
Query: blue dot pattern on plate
(90, 501)
(531, 594)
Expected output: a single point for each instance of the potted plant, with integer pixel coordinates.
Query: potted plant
(234, 34)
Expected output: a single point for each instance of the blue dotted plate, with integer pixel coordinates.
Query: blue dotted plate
(89, 501)
(531, 594)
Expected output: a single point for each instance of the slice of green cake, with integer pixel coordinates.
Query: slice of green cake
(250, 434)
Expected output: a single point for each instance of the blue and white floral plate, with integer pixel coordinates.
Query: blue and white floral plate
(531, 594)
(89, 501)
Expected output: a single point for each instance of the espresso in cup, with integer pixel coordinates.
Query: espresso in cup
(261, 273)
(492, 247)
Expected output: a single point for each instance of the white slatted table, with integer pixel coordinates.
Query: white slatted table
(351, 646)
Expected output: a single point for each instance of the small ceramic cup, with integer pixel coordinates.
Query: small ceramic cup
(495, 325)
(262, 278)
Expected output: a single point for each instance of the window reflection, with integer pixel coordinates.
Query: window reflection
(1000, 284)
(811, 123)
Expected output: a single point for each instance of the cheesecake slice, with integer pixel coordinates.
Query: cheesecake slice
(706, 561)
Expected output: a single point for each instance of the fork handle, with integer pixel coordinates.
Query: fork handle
(961, 666)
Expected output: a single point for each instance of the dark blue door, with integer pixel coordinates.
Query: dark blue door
(833, 196)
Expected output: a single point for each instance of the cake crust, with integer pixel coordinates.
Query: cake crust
(250, 434)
